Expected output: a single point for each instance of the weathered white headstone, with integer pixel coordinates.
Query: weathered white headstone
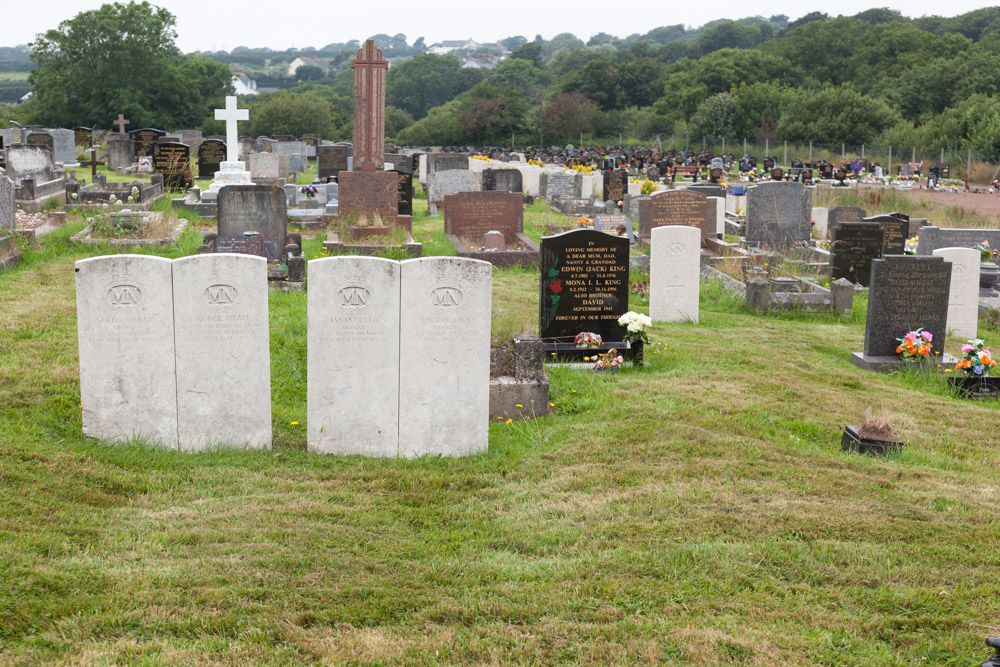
(963, 300)
(720, 213)
(444, 368)
(821, 216)
(674, 283)
(353, 356)
(125, 325)
(64, 143)
(223, 357)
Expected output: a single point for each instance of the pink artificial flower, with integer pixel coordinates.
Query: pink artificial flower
(911, 336)
(987, 353)
(967, 348)
(928, 336)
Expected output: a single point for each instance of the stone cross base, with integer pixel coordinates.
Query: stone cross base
(230, 173)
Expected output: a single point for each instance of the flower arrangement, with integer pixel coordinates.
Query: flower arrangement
(582, 168)
(910, 247)
(537, 163)
(986, 253)
(588, 339)
(610, 360)
(484, 158)
(976, 359)
(648, 187)
(635, 325)
(309, 191)
(915, 345)
(584, 221)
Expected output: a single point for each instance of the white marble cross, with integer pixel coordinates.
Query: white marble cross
(231, 115)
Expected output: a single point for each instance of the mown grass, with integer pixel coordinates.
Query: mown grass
(695, 511)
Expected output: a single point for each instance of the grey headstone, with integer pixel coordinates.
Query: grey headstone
(932, 238)
(450, 182)
(64, 143)
(778, 213)
(616, 225)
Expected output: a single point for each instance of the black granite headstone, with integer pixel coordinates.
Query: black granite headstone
(895, 227)
(854, 246)
(404, 201)
(503, 180)
(331, 160)
(584, 284)
(253, 208)
(906, 293)
(615, 185)
(173, 160)
(144, 139)
(211, 154)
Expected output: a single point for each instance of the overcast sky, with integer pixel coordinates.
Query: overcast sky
(214, 24)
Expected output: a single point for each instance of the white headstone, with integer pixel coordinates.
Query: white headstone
(64, 142)
(125, 325)
(963, 300)
(422, 166)
(821, 216)
(353, 356)
(719, 204)
(223, 356)
(444, 367)
(674, 264)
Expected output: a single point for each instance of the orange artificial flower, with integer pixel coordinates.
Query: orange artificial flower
(899, 349)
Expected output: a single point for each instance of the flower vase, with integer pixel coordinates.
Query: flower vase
(988, 275)
(637, 353)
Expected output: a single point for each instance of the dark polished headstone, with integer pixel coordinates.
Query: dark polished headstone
(895, 226)
(253, 208)
(211, 154)
(906, 293)
(505, 180)
(852, 249)
(584, 284)
(173, 160)
(404, 195)
(615, 185)
(144, 139)
(673, 207)
(331, 160)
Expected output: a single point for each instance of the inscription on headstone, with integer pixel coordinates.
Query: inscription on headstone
(211, 154)
(852, 249)
(469, 215)
(584, 277)
(173, 160)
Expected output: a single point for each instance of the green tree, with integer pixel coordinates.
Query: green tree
(565, 115)
(716, 117)
(427, 81)
(121, 58)
(836, 115)
(284, 112)
(308, 73)
(396, 120)
(490, 114)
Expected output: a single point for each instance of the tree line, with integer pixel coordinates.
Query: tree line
(875, 77)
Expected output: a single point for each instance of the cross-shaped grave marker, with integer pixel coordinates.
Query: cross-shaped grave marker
(231, 115)
(369, 107)
(121, 123)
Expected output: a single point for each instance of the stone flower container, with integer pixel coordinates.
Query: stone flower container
(989, 274)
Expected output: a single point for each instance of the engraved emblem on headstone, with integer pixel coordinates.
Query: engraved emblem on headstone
(354, 297)
(126, 295)
(221, 295)
(446, 297)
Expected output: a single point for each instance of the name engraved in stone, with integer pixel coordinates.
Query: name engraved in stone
(222, 328)
(356, 329)
(124, 329)
(592, 277)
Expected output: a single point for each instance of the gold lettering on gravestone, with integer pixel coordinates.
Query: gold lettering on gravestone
(592, 278)
(677, 210)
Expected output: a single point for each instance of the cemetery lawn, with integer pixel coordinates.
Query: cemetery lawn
(696, 511)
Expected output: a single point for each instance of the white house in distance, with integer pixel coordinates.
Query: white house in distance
(450, 46)
(308, 60)
(244, 85)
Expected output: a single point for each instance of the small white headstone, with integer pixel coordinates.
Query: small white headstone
(353, 356)
(719, 204)
(963, 300)
(444, 369)
(223, 355)
(674, 283)
(821, 216)
(64, 142)
(125, 325)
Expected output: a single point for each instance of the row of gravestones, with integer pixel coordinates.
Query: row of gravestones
(177, 353)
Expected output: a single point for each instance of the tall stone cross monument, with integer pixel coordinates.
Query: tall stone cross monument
(369, 190)
(369, 107)
(232, 171)
(231, 115)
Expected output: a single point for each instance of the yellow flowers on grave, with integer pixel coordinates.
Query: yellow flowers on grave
(648, 187)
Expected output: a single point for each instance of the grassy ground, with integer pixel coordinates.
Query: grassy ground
(695, 512)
